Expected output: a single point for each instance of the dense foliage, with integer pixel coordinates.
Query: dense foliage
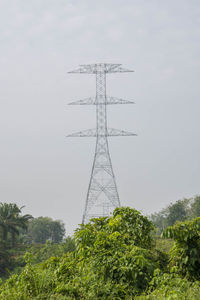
(170, 286)
(113, 258)
(44, 228)
(181, 210)
(11, 222)
(20, 233)
(185, 254)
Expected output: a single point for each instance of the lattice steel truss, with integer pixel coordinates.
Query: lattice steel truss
(102, 195)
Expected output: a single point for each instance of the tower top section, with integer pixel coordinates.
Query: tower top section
(100, 68)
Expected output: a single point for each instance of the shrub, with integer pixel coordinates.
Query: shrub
(113, 259)
(185, 252)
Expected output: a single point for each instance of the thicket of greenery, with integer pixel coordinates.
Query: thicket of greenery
(20, 233)
(114, 258)
(120, 257)
(181, 210)
(41, 229)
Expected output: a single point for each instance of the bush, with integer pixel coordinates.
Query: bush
(113, 260)
(185, 252)
(171, 286)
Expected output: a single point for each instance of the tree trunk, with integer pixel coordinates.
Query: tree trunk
(5, 234)
(13, 239)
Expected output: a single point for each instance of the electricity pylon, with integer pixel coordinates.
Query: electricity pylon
(102, 195)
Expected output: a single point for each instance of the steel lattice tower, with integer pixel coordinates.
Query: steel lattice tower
(102, 195)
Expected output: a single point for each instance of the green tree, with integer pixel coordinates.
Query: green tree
(5, 259)
(11, 220)
(160, 219)
(116, 252)
(177, 212)
(44, 228)
(195, 207)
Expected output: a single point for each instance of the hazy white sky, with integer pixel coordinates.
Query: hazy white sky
(40, 40)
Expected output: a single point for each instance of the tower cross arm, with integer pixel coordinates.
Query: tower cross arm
(115, 100)
(119, 132)
(84, 133)
(93, 133)
(99, 68)
(83, 69)
(119, 70)
(87, 101)
(108, 100)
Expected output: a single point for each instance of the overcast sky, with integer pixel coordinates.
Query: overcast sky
(40, 41)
